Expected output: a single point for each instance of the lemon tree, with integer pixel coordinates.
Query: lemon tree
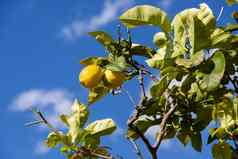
(197, 61)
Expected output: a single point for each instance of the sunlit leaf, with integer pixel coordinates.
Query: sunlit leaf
(77, 119)
(145, 15)
(102, 37)
(101, 127)
(212, 80)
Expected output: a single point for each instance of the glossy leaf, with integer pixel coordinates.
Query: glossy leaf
(211, 81)
(77, 120)
(101, 127)
(145, 15)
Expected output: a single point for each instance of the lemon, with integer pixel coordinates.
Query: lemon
(91, 75)
(160, 39)
(114, 78)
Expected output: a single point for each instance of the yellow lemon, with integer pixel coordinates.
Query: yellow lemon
(91, 75)
(160, 39)
(114, 79)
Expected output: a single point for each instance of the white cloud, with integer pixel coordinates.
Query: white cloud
(165, 4)
(41, 148)
(108, 13)
(52, 102)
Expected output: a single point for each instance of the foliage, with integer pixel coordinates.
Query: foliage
(198, 85)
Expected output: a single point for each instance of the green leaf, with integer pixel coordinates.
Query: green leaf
(140, 50)
(101, 127)
(145, 15)
(194, 25)
(77, 119)
(170, 133)
(221, 151)
(158, 58)
(94, 60)
(212, 80)
(102, 37)
(211, 136)
(204, 116)
(196, 140)
(159, 87)
(96, 94)
(220, 38)
(231, 2)
(231, 27)
(64, 119)
(183, 138)
(53, 139)
(143, 124)
(196, 59)
(118, 64)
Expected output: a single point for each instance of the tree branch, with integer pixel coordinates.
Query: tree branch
(163, 126)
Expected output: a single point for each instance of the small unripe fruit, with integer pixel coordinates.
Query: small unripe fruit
(114, 79)
(91, 76)
(160, 39)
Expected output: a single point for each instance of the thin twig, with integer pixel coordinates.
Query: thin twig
(132, 126)
(129, 96)
(163, 126)
(220, 13)
(141, 82)
(137, 149)
(82, 149)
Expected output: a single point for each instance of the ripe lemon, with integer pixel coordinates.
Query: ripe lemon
(160, 39)
(91, 75)
(114, 78)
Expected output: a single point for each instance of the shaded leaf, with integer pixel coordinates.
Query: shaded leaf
(221, 151)
(183, 138)
(196, 140)
(159, 87)
(96, 94)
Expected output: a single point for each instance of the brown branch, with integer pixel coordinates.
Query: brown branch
(132, 126)
(163, 126)
(141, 83)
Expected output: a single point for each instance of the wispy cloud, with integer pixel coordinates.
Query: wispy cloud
(165, 4)
(41, 148)
(109, 12)
(53, 102)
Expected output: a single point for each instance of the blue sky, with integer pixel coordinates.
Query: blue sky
(41, 44)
